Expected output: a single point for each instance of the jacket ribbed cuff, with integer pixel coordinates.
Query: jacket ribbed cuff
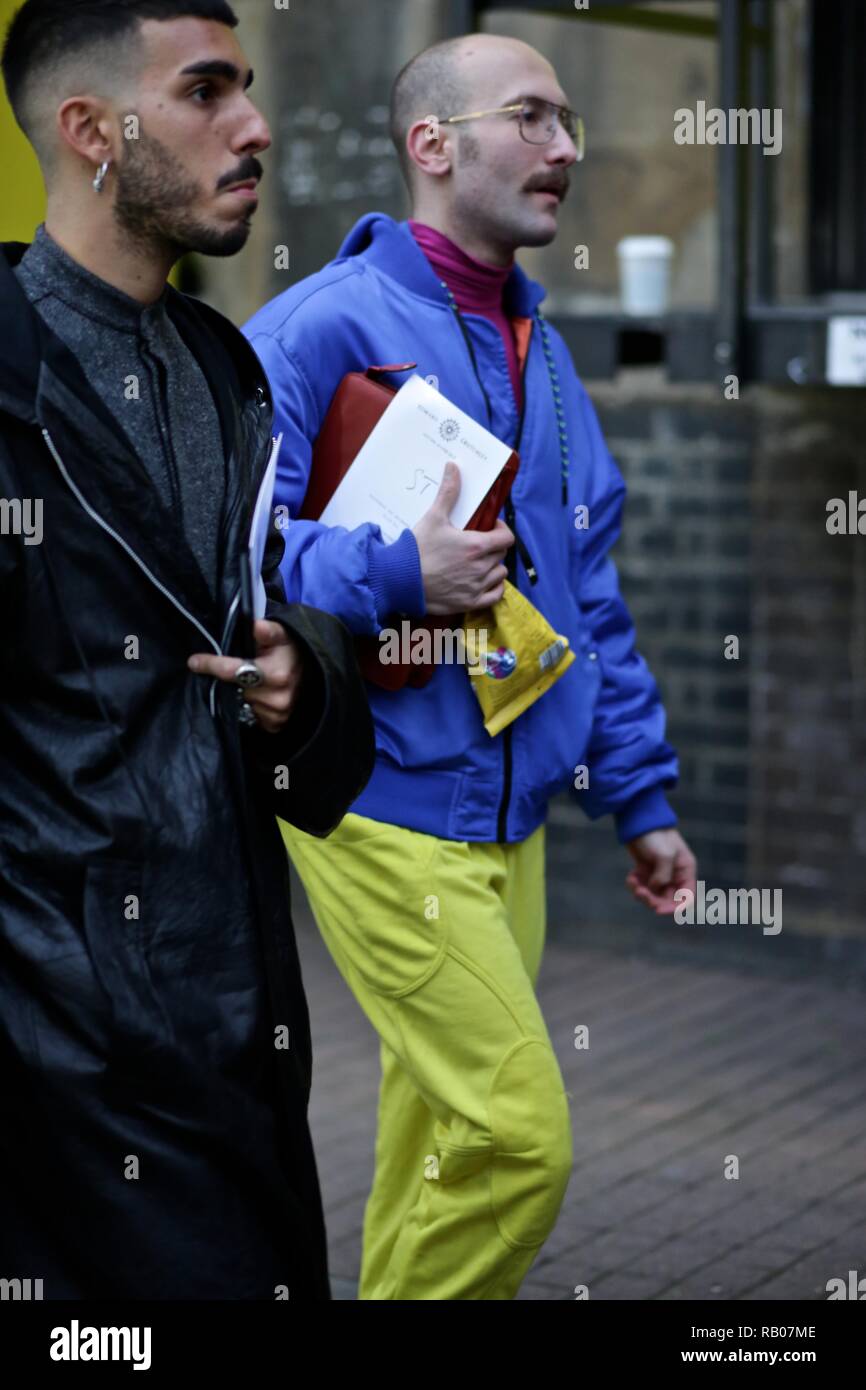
(649, 810)
(395, 578)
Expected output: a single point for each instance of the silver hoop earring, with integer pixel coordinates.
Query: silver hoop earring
(99, 181)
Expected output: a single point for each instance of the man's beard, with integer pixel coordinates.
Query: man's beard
(153, 198)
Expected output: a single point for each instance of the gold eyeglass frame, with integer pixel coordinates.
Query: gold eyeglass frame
(578, 139)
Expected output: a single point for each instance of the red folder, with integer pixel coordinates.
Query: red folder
(359, 402)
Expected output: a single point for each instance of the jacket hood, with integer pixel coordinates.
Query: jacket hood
(392, 249)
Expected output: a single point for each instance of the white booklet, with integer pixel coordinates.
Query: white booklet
(261, 525)
(394, 478)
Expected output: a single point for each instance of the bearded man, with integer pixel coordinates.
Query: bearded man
(154, 1033)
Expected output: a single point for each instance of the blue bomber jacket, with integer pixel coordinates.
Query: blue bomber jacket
(437, 769)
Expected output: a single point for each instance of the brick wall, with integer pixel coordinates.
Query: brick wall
(725, 533)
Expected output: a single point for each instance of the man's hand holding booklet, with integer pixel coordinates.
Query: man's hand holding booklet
(393, 480)
(423, 431)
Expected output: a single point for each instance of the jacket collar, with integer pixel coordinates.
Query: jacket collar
(390, 246)
(27, 343)
(53, 271)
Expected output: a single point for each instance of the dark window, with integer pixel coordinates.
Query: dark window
(838, 158)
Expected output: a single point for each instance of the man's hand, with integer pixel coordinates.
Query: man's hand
(664, 863)
(281, 663)
(461, 569)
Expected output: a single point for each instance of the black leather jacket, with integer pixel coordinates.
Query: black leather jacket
(146, 947)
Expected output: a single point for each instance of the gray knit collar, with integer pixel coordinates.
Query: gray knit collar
(55, 271)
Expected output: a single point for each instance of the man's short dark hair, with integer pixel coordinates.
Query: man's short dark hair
(431, 84)
(44, 33)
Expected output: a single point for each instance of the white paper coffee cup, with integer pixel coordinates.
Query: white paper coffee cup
(645, 274)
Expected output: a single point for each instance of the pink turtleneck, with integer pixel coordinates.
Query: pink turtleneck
(476, 286)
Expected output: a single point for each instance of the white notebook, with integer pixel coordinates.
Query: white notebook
(395, 477)
(261, 525)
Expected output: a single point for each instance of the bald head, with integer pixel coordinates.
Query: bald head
(451, 78)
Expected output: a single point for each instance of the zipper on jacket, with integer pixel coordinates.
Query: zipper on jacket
(507, 759)
(163, 425)
(507, 751)
(511, 521)
(511, 566)
(142, 566)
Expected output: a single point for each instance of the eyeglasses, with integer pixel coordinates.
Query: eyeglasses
(537, 121)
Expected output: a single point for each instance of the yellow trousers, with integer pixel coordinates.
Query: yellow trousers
(440, 941)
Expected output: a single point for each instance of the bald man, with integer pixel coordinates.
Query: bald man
(431, 895)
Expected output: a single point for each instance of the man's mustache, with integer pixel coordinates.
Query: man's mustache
(549, 183)
(250, 168)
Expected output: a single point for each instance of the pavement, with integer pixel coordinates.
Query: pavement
(719, 1119)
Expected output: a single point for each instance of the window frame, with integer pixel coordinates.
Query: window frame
(746, 333)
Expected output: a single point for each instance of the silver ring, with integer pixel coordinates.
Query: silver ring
(248, 675)
(246, 713)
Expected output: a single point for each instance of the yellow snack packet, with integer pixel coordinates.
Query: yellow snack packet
(513, 657)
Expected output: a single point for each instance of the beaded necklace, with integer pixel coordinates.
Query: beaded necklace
(552, 373)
